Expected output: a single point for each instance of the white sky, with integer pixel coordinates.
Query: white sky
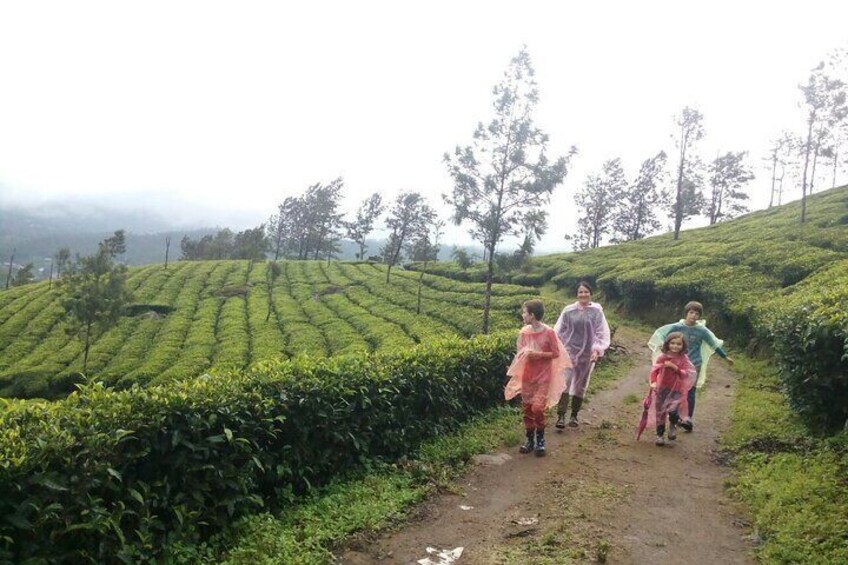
(232, 106)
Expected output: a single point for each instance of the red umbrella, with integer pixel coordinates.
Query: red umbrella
(646, 405)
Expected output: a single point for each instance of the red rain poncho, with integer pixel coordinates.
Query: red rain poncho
(538, 381)
(672, 387)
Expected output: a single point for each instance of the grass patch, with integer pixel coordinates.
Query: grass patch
(366, 504)
(792, 483)
(632, 399)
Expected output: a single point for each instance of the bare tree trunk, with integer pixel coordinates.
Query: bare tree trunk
(773, 177)
(490, 271)
(678, 204)
(50, 281)
(835, 163)
(420, 282)
(87, 346)
(780, 186)
(167, 249)
(806, 167)
(815, 163)
(9, 276)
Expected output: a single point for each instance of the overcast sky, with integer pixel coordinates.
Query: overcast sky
(229, 107)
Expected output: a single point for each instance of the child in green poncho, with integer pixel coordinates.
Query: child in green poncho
(702, 343)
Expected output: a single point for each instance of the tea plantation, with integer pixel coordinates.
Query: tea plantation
(195, 317)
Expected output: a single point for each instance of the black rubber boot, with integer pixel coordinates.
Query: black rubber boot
(529, 444)
(562, 409)
(540, 443)
(560, 423)
(576, 403)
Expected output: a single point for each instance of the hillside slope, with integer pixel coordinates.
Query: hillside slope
(212, 315)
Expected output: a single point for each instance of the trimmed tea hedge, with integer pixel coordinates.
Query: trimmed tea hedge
(809, 332)
(106, 476)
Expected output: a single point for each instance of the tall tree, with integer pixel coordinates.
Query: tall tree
(167, 249)
(250, 244)
(692, 199)
(779, 153)
(505, 172)
(321, 221)
(636, 214)
(116, 244)
(23, 275)
(825, 105)
(272, 274)
(728, 176)
(408, 219)
(363, 224)
(598, 201)
(95, 295)
(691, 130)
(535, 225)
(62, 256)
(425, 249)
(9, 274)
(283, 228)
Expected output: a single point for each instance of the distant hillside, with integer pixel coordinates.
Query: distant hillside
(36, 233)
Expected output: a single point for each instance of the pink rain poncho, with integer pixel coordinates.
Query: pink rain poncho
(582, 330)
(538, 381)
(672, 387)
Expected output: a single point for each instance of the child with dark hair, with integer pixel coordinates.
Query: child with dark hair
(701, 343)
(536, 373)
(672, 375)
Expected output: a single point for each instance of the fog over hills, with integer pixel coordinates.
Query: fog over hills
(35, 229)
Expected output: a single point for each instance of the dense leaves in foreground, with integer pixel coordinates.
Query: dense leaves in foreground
(107, 475)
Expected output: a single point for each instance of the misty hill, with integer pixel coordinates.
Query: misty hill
(36, 232)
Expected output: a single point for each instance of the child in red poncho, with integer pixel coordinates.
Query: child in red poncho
(672, 375)
(537, 373)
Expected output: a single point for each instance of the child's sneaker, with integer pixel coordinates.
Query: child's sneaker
(572, 422)
(672, 431)
(659, 440)
(540, 446)
(529, 444)
(687, 425)
(560, 423)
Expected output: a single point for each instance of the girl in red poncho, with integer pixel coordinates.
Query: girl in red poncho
(672, 375)
(537, 374)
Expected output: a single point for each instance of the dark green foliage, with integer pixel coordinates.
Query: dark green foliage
(809, 332)
(108, 476)
(248, 244)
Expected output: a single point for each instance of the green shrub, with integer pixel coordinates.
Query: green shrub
(116, 475)
(809, 333)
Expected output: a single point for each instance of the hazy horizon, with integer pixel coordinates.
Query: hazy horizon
(231, 109)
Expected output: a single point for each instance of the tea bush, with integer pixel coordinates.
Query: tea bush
(116, 475)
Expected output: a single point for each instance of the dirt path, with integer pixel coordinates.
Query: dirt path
(599, 495)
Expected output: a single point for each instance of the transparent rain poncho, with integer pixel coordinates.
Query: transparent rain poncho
(582, 330)
(538, 381)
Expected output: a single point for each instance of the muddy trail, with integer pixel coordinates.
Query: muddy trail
(599, 496)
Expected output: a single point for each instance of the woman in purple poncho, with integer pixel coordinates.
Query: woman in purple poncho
(583, 330)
